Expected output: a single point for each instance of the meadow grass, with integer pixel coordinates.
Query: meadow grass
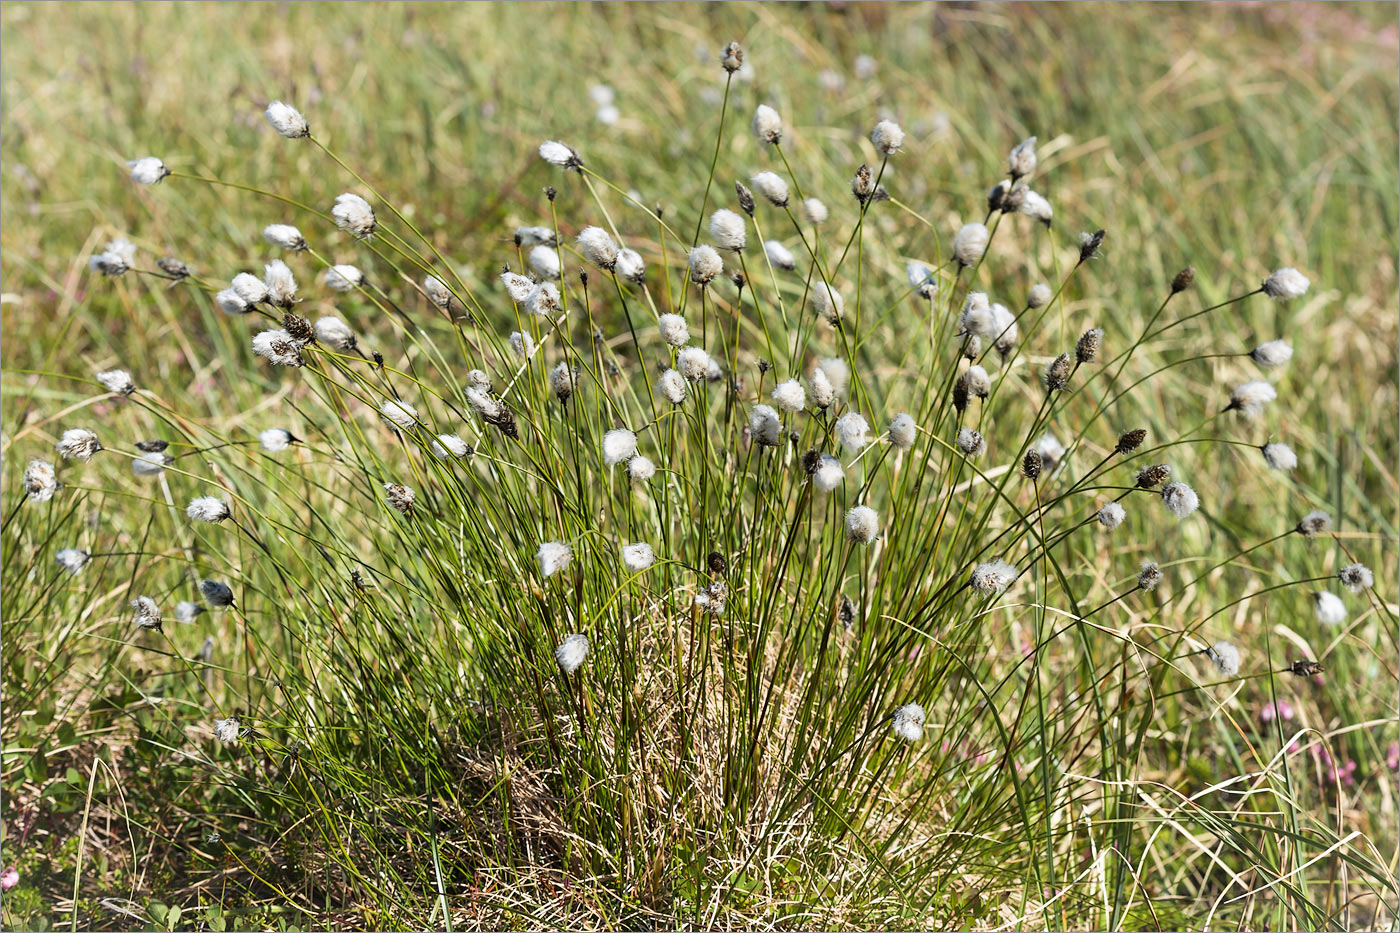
(408, 753)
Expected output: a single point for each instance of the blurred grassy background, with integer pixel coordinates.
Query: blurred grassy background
(1237, 137)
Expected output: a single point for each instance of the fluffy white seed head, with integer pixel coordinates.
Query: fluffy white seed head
(207, 509)
(903, 431)
(521, 344)
(862, 524)
(790, 396)
(543, 300)
(1007, 330)
(1149, 576)
(671, 385)
(630, 266)
(779, 255)
(517, 286)
(544, 262)
(117, 259)
(1285, 284)
(278, 348)
(72, 559)
(908, 722)
(147, 612)
(837, 372)
(335, 333)
(556, 153)
(828, 303)
(398, 414)
(1314, 523)
(1271, 354)
(921, 279)
(450, 445)
(1112, 515)
(970, 244)
(828, 474)
(78, 444)
(978, 383)
(1035, 205)
(852, 431)
(992, 577)
(399, 496)
(147, 170)
(552, 557)
(230, 302)
(116, 380)
(619, 445)
(1021, 161)
(250, 288)
(1180, 499)
(673, 329)
(815, 212)
(571, 653)
(1279, 456)
(226, 730)
(765, 426)
(287, 120)
(823, 393)
(640, 469)
(770, 185)
(728, 230)
(693, 363)
(1225, 657)
(1039, 296)
(344, 278)
(638, 557)
(281, 284)
(767, 124)
(284, 236)
(150, 463)
(1356, 577)
(887, 137)
(1329, 608)
(563, 381)
(353, 214)
(977, 317)
(705, 265)
(275, 440)
(186, 611)
(971, 443)
(1250, 398)
(535, 235)
(40, 481)
(598, 247)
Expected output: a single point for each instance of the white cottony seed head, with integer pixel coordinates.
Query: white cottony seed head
(992, 577)
(1271, 354)
(619, 445)
(1225, 657)
(887, 137)
(728, 230)
(1329, 608)
(553, 556)
(1285, 284)
(450, 445)
(970, 244)
(1022, 160)
(705, 264)
(250, 288)
(556, 153)
(767, 124)
(40, 481)
(828, 474)
(1356, 577)
(399, 496)
(815, 212)
(979, 384)
(837, 373)
(281, 284)
(278, 348)
(1180, 499)
(671, 385)
(517, 286)
(1035, 205)
(398, 414)
(186, 611)
(828, 303)
(1112, 515)
(544, 262)
(117, 259)
(630, 266)
(640, 469)
(285, 236)
(1250, 398)
(533, 236)
(771, 186)
(344, 278)
(543, 300)
(823, 393)
(117, 380)
(790, 396)
(1007, 330)
(571, 653)
(908, 722)
(673, 329)
(226, 730)
(335, 333)
(147, 170)
(598, 247)
(1149, 576)
(230, 302)
(765, 427)
(147, 612)
(1279, 456)
(151, 463)
(1039, 296)
(353, 214)
(903, 431)
(521, 344)
(275, 440)
(287, 120)
(779, 255)
(638, 557)
(207, 509)
(562, 381)
(862, 524)
(78, 444)
(971, 443)
(852, 431)
(693, 362)
(74, 559)
(921, 279)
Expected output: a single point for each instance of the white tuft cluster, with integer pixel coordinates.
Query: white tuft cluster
(767, 125)
(853, 431)
(1329, 608)
(992, 577)
(572, 653)
(276, 440)
(1271, 354)
(770, 185)
(902, 431)
(779, 255)
(1285, 284)
(335, 333)
(765, 427)
(287, 120)
(815, 212)
(552, 557)
(705, 265)
(887, 137)
(398, 414)
(638, 557)
(673, 329)
(619, 445)
(1279, 456)
(344, 278)
(1180, 499)
(556, 153)
(147, 170)
(908, 722)
(671, 385)
(450, 445)
(40, 481)
(630, 266)
(790, 396)
(116, 380)
(78, 444)
(862, 524)
(970, 244)
(728, 230)
(207, 509)
(1021, 161)
(693, 363)
(828, 474)
(517, 286)
(544, 262)
(72, 559)
(278, 347)
(1225, 657)
(1250, 398)
(281, 284)
(828, 303)
(1356, 577)
(640, 469)
(1111, 515)
(598, 247)
(284, 236)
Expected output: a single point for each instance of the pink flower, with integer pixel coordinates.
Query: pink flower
(9, 878)
(1281, 709)
(1392, 756)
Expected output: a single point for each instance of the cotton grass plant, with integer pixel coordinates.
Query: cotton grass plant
(740, 564)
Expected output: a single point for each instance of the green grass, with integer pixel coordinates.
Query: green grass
(416, 759)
